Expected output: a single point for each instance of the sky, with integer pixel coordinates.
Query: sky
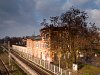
(23, 17)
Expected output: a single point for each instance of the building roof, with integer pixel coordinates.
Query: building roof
(38, 37)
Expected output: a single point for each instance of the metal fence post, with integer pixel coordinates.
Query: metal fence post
(61, 71)
(44, 64)
(69, 73)
(54, 68)
(48, 66)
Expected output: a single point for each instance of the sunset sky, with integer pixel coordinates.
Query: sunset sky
(23, 17)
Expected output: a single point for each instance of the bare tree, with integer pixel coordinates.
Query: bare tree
(72, 35)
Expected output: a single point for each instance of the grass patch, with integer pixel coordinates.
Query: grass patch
(90, 70)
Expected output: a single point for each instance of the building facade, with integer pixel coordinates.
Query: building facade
(36, 47)
(39, 48)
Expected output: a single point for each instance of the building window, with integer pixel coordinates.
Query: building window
(37, 44)
(45, 45)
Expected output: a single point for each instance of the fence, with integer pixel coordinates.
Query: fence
(44, 64)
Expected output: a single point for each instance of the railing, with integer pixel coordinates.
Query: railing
(44, 64)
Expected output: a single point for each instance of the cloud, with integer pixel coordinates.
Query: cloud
(20, 17)
(14, 30)
(97, 2)
(67, 5)
(48, 8)
(19, 10)
(17, 17)
(94, 16)
(76, 3)
(80, 1)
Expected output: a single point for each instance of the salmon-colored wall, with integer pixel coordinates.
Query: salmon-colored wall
(39, 49)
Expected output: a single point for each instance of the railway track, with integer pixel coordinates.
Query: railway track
(26, 62)
(34, 67)
(30, 65)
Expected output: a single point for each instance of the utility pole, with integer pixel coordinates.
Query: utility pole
(9, 52)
